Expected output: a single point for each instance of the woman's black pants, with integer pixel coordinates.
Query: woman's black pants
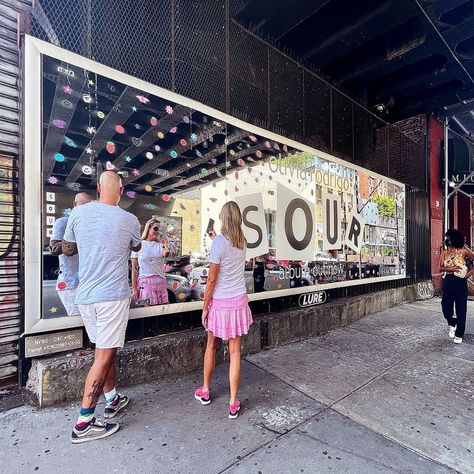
(455, 292)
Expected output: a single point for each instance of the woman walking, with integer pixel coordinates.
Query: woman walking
(226, 314)
(452, 262)
(148, 276)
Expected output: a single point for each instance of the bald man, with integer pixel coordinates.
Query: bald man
(68, 278)
(103, 235)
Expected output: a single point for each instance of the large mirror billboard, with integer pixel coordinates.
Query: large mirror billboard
(311, 221)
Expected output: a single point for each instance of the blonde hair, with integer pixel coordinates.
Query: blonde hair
(146, 229)
(231, 224)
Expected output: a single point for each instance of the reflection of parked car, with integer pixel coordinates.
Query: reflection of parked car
(178, 287)
(199, 259)
(199, 275)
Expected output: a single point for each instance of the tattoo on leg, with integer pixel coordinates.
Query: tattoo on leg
(97, 389)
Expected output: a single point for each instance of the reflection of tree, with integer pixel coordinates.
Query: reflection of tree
(386, 205)
(302, 160)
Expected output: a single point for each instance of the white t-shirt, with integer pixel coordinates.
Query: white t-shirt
(231, 260)
(150, 259)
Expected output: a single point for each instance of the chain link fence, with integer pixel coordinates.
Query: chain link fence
(195, 48)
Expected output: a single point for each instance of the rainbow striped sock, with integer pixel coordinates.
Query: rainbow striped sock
(110, 396)
(86, 415)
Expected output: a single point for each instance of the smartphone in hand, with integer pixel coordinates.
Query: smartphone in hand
(210, 227)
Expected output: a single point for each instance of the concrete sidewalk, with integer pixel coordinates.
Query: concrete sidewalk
(388, 393)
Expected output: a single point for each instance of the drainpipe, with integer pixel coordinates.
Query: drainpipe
(446, 180)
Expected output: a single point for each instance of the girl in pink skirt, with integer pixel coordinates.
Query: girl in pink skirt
(148, 276)
(226, 314)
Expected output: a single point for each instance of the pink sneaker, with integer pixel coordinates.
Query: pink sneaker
(202, 396)
(234, 409)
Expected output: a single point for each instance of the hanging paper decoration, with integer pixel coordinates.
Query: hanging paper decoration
(67, 104)
(67, 89)
(250, 159)
(74, 186)
(276, 146)
(87, 170)
(285, 148)
(169, 109)
(131, 194)
(165, 197)
(87, 98)
(268, 144)
(59, 123)
(53, 180)
(110, 147)
(173, 154)
(111, 87)
(194, 137)
(128, 159)
(100, 114)
(134, 109)
(149, 155)
(135, 172)
(136, 141)
(91, 130)
(258, 154)
(189, 165)
(89, 150)
(157, 148)
(182, 182)
(205, 144)
(150, 206)
(148, 188)
(173, 129)
(186, 119)
(226, 141)
(109, 166)
(219, 174)
(90, 82)
(59, 157)
(53, 309)
(204, 119)
(161, 135)
(240, 162)
(211, 138)
(231, 152)
(204, 172)
(154, 121)
(183, 142)
(253, 138)
(120, 129)
(69, 142)
(124, 174)
(213, 161)
(143, 99)
(198, 153)
(182, 206)
(137, 126)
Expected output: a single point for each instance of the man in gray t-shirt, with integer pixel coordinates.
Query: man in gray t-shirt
(103, 235)
(68, 277)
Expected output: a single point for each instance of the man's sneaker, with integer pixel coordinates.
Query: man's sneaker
(457, 340)
(234, 409)
(203, 396)
(452, 331)
(96, 429)
(112, 408)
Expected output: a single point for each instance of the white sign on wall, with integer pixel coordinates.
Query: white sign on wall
(295, 226)
(332, 221)
(254, 225)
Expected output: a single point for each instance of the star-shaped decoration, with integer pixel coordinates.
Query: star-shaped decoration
(53, 309)
(135, 172)
(134, 108)
(91, 130)
(90, 82)
(137, 126)
(89, 150)
(67, 90)
(128, 159)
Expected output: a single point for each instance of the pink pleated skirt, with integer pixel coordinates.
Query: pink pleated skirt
(153, 289)
(229, 317)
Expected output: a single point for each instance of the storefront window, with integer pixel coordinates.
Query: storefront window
(309, 219)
